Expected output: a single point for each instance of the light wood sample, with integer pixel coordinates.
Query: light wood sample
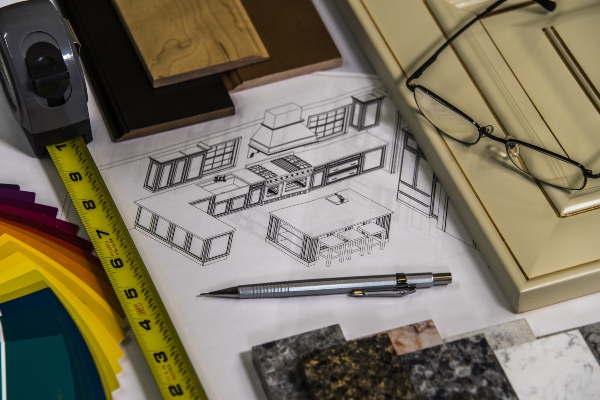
(179, 40)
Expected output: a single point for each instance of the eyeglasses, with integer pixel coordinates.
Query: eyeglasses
(541, 164)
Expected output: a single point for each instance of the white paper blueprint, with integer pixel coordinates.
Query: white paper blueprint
(257, 217)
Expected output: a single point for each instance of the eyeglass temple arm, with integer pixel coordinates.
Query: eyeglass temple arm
(546, 4)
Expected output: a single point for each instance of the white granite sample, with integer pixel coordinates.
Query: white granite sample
(591, 334)
(561, 366)
(502, 336)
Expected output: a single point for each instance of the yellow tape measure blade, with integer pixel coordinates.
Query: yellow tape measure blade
(128, 275)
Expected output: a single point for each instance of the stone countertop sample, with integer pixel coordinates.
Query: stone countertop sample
(561, 366)
(413, 337)
(362, 369)
(591, 334)
(277, 362)
(463, 369)
(502, 336)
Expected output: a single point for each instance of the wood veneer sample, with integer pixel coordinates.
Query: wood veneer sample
(179, 40)
(131, 107)
(295, 37)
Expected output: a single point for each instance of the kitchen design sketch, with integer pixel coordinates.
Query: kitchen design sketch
(420, 189)
(331, 227)
(316, 181)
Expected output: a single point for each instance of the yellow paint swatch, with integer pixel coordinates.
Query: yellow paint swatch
(84, 290)
(79, 264)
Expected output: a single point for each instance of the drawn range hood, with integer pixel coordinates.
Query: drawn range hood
(281, 130)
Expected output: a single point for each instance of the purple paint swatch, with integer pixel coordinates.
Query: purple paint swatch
(40, 219)
(34, 207)
(9, 186)
(17, 195)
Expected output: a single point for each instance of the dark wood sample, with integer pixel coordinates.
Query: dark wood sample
(296, 39)
(130, 105)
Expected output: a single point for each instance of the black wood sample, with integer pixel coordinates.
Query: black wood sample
(130, 105)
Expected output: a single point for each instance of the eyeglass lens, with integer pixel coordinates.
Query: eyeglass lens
(446, 119)
(544, 167)
(533, 162)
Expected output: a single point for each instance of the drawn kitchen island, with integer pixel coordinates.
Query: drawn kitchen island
(332, 227)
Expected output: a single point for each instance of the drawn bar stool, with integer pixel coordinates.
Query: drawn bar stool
(332, 245)
(373, 232)
(353, 238)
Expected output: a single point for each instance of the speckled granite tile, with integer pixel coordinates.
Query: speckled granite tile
(463, 369)
(502, 336)
(277, 362)
(561, 366)
(414, 337)
(360, 369)
(591, 334)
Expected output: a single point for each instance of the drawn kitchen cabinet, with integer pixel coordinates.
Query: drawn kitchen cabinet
(345, 159)
(185, 229)
(175, 168)
(220, 208)
(318, 178)
(366, 110)
(255, 195)
(343, 169)
(232, 192)
(373, 159)
(204, 205)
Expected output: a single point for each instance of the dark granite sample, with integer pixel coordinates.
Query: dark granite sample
(464, 369)
(363, 369)
(277, 362)
(591, 334)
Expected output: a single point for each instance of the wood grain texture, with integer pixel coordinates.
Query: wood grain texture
(179, 40)
(295, 37)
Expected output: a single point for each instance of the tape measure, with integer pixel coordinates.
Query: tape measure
(128, 275)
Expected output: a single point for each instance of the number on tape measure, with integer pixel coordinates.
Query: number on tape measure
(128, 275)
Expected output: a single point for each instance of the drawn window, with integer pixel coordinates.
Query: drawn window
(329, 123)
(221, 156)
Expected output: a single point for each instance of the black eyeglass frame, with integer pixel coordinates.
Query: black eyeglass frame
(488, 129)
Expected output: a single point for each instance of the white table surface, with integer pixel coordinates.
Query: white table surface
(136, 380)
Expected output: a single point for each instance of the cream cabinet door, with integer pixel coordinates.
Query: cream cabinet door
(539, 72)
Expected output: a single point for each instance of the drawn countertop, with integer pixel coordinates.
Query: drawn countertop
(343, 148)
(321, 216)
(188, 217)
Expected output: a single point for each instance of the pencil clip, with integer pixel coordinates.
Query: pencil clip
(393, 293)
